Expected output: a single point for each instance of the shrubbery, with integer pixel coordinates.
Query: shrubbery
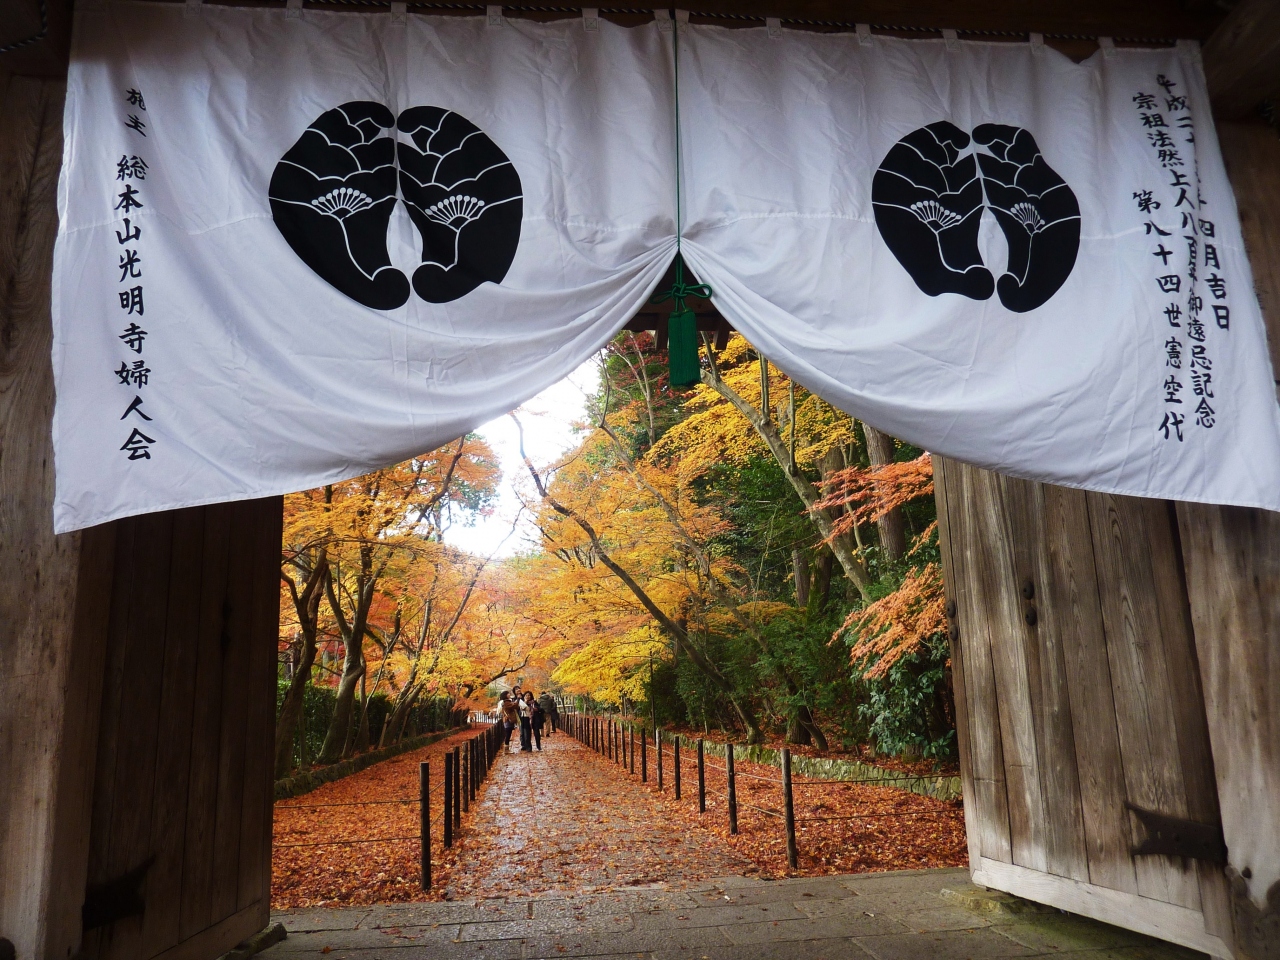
(427, 716)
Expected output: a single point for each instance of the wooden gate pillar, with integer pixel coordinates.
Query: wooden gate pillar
(137, 696)
(1112, 655)
(1232, 560)
(52, 589)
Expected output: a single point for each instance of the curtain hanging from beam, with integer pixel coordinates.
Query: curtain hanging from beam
(298, 245)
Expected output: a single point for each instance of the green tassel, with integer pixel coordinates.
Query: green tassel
(682, 348)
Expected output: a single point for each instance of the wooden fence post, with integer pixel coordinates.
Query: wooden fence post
(424, 821)
(657, 745)
(788, 810)
(733, 789)
(702, 779)
(448, 800)
(457, 789)
(465, 780)
(644, 756)
(675, 743)
(631, 731)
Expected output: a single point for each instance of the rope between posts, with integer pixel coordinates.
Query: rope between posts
(877, 816)
(810, 781)
(343, 843)
(353, 803)
(690, 761)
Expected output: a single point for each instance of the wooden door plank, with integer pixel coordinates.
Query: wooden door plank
(1232, 562)
(1140, 680)
(138, 726)
(208, 631)
(79, 748)
(1232, 557)
(43, 726)
(1190, 722)
(267, 518)
(161, 924)
(996, 593)
(1071, 584)
(1155, 918)
(236, 684)
(974, 809)
(1046, 674)
(218, 939)
(113, 684)
(990, 798)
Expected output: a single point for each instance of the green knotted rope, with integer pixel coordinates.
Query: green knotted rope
(682, 328)
(682, 325)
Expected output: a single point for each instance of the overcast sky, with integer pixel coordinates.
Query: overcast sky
(548, 421)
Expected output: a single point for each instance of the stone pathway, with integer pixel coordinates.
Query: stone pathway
(887, 916)
(551, 822)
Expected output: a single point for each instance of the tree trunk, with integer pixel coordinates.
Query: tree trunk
(307, 605)
(853, 567)
(340, 738)
(291, 712)
(362, 734)
(893, 533)
(820, 587)
(800, 566)
(393, 729)
(797, 732)
(335, 740)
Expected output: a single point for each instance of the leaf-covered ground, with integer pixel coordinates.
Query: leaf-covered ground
(567, 820)
(330, 869)
(840, 827)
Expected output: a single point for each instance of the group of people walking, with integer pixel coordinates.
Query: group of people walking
(517, 708)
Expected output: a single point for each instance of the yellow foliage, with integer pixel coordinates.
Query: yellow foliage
(715, 432)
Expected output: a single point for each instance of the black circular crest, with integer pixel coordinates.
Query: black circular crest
(465, 198)
(929, 194)
(332, 195)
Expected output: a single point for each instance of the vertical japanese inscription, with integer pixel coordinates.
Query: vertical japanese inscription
(133, 373)
(1186, 263)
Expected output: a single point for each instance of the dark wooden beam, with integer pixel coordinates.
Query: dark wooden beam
(39, 33)
(1090, 18)
(46, 55)
(1242, 59)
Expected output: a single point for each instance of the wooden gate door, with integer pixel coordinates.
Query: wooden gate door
(180, 842)
(1079, 700)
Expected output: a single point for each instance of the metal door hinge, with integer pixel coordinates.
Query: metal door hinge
(105, 903)
(1176, 837)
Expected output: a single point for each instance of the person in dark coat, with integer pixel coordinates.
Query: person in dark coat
(548, 703)
(537, 717)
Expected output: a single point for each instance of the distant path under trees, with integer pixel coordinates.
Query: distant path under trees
(567, 821)
(561, 821)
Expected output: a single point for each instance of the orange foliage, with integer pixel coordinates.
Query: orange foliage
(871, 492)
(895, 626)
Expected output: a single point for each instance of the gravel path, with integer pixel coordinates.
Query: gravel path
(557, 822)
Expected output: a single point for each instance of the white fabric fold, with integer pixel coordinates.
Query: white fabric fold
(262, 376)
(782, 142)
(294, 249)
